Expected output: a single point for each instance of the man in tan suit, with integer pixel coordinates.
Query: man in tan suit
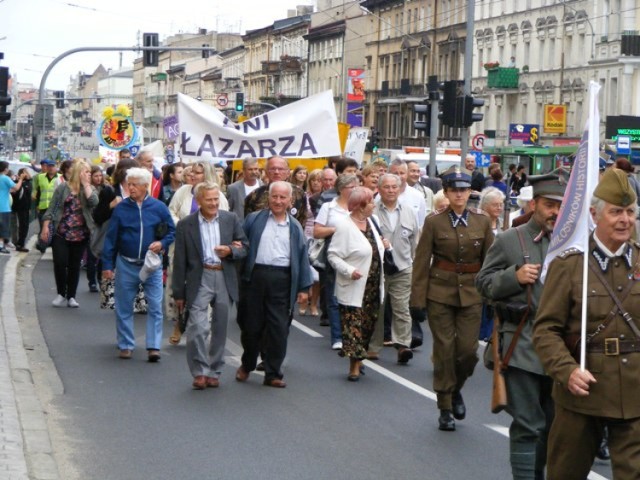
(607, 392)
(450, 252)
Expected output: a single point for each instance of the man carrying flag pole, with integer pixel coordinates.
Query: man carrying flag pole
(593, 353)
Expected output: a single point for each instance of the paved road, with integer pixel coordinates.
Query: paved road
(132, 420)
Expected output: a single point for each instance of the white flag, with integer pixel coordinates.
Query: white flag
(574, 220)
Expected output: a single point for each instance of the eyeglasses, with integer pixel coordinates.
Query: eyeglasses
(277, 169)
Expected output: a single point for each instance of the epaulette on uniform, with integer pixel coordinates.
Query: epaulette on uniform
(568, 252)
(437, 212)
(477, 211)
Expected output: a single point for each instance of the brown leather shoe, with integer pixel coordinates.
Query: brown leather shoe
(241, 374)
(200, 382)
(125, 354)
(404, 355)
(373, 356)
(275, 382)
(213, 382)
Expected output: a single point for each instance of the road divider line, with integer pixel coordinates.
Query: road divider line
(307, 330)
(421, 390)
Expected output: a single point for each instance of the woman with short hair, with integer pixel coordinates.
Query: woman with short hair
(356, 253)
(492, 203)
(326, 220)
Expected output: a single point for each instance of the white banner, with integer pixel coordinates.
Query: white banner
(307, 128)
(356, 143)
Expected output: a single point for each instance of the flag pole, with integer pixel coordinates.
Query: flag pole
(593, 142)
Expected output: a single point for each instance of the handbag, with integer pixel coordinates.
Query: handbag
(388, 263)
(318, 253)
(40, 245)
(96, 243)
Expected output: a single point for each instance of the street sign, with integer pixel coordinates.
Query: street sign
(482, 159)
(623, 145)
(555, 119)
(478, 141)
(222, 100)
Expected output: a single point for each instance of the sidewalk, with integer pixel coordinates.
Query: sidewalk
(25, 446)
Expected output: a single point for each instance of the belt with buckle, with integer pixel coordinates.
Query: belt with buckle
(212, 266)
(614, 346)
(457, 267)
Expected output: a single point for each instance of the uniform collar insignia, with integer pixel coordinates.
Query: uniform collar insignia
(543, 234)
(457, 220)
(601, 258)
(604, 260)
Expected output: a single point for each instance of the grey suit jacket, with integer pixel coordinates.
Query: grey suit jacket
(188, 258)
(497, 281)
(236, 196)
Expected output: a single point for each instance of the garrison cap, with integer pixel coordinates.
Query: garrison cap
(550, 185)
(456, 177)
(614, 188)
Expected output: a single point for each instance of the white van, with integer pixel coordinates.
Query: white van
(443, 161)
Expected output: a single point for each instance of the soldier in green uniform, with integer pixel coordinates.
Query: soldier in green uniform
(607, 392)
(507, 274)
(450, 253)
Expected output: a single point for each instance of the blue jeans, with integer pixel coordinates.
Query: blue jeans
(332, 305)
(126, 288)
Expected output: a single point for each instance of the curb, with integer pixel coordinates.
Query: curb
(26, 451)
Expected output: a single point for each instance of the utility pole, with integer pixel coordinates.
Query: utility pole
(434, 98)
(41, 99)
(468, 65)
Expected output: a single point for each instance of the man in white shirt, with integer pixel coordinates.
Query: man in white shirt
(409, 196)
(413, 180)
(238, 191)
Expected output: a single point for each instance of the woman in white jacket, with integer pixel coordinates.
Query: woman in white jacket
(356, 254)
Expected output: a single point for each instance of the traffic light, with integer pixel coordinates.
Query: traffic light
(448, 113)
(423, 113)
(60, 98)
(373, 142)
(150, 57)
(239, 102)
(5, 99)
(465, 106)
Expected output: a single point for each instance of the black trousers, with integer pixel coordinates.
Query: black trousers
(264, 318)
(21, 218)
(66, 265)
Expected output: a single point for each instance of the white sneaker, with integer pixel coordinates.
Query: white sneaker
(72, 303)
(59, 301)
(10, 245)
(336, 346)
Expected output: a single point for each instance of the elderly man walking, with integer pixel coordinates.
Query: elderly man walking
(399, 226)
(238, 191)
(276, 274)
(138, 224)
(605, 393)
(208, 243)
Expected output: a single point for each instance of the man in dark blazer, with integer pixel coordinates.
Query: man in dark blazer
(276, 274)
(238, 191)
(208, 242)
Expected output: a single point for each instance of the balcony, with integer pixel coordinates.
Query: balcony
(286, 64)
(503, 77)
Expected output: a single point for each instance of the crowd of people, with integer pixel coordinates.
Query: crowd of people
(391, 249)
